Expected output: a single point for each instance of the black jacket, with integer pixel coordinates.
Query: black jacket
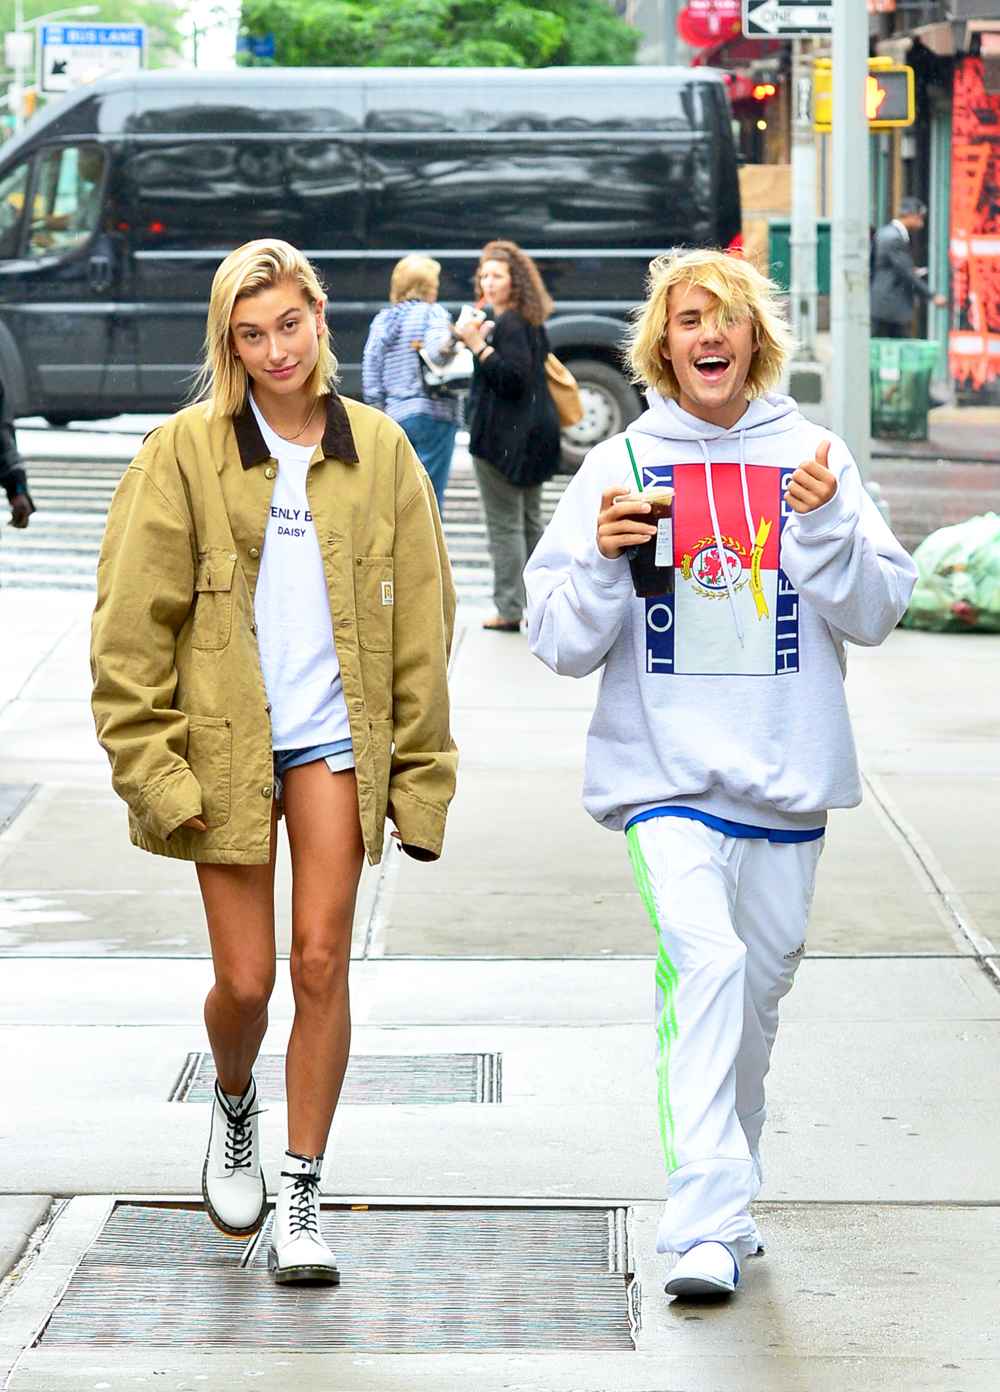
(512, 418)
(13, 479)
(895, 284)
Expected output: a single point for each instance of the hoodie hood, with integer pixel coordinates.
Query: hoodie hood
(765, 415)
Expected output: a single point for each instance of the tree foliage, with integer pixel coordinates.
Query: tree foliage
(439, 33)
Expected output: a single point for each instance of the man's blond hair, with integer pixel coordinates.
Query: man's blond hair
(222, 379)
(739, 291)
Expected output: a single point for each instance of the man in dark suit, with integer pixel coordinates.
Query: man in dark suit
(895, 283)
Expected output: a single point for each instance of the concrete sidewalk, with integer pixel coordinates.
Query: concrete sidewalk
(527, 941)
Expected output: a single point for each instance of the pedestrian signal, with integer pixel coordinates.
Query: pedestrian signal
(890, 100)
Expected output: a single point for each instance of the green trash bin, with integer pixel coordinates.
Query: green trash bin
(901, 370)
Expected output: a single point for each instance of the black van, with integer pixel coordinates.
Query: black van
(118, 202)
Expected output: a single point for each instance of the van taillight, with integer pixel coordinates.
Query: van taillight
(157, 227)
(121, 226)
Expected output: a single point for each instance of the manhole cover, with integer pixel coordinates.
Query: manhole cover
(413, 1279)
(405, 1079)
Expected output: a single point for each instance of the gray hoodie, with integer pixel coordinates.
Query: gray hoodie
(726, 696)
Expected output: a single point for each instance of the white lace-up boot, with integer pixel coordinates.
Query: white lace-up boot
(298, 1251)
(232, 1181)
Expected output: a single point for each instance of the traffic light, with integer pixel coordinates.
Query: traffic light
(889, 95)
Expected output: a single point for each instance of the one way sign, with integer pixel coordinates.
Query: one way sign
(785, 19)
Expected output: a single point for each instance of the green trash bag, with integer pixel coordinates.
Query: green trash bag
(958, 585)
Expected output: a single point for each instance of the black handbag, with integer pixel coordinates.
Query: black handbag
(448, 380)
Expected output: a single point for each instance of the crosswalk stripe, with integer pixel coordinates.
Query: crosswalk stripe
(59, 549)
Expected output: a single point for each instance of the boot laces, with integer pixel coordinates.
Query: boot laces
(239, 1137)
(303, 1208)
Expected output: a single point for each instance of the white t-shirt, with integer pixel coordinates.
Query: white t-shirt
(292, 609)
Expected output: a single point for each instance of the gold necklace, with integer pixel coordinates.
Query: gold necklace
(302, 428)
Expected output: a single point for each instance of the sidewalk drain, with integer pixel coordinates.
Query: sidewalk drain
(413, 1280)
(14, 798)
(402, 1079)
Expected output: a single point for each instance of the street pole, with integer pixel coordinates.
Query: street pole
(669, 13)
(18, 94)
(803, 238)
(849, 313)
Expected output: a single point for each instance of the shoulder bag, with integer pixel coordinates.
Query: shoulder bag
(564, 391)
(450, 379)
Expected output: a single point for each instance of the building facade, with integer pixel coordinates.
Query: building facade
(951, 159)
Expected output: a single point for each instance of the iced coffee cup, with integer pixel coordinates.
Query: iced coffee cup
(652, 563)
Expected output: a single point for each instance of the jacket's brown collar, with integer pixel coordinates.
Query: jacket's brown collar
(337, 442)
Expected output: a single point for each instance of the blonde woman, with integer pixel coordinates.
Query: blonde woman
(390, 371)
(722, 736)
(274, 613)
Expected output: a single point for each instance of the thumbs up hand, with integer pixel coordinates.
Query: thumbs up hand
(813, 483)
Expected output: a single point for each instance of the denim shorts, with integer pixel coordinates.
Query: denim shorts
(338, 756)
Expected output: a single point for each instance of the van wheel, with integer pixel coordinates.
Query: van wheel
(58, 420)
(609, 404)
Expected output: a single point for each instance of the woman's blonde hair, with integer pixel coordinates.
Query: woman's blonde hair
(222, 379)
(739, 290)
(414, 278)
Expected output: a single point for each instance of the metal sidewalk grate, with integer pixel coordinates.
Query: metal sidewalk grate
(413, 1280)
(14, 798)
(401, 1079)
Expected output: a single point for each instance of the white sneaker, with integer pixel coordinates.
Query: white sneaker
(298, 1251)
(707, 1269)
(232, 1181)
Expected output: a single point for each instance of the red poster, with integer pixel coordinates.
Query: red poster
(974, 342)
(703, 23)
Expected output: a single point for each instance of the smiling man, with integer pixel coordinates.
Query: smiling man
(721, 737)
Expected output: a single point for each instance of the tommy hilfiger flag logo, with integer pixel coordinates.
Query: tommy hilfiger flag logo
(689, 637)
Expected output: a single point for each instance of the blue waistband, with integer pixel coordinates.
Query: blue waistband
(739, 829)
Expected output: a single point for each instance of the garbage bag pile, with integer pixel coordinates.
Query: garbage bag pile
(958, 585)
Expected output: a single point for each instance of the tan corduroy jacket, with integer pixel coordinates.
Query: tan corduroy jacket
(179, 698)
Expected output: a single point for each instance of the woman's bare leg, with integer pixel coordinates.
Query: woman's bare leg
(321, 811)
(239, 907)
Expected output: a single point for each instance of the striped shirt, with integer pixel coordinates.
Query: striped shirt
(390, 372)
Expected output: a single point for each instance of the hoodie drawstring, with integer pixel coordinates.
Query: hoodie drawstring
(743, 484)
(720, 549)
(758, 539)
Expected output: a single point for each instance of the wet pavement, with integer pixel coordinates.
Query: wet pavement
(526, 943)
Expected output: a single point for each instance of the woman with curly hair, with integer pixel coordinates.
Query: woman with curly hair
(513, 425)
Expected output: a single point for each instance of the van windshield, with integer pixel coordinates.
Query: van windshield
(13, 188)
(67, 199)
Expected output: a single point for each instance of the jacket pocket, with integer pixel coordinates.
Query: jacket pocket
(374, 599)
(213, 599)
(210, 756)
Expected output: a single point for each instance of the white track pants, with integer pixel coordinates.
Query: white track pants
(730, 916)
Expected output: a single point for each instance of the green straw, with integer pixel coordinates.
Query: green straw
(635, 467)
